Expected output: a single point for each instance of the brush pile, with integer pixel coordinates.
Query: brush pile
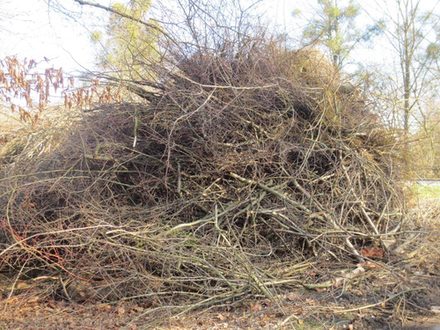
(241, 172)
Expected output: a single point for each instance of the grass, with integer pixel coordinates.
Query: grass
(9, 122)
(425, 191)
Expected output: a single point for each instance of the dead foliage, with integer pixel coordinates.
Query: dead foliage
(27, 90)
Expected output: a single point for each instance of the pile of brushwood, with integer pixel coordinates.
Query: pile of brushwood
(239, 173)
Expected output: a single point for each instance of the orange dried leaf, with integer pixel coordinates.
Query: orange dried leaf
(372, 252)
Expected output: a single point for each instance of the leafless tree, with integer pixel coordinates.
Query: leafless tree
(412, 38)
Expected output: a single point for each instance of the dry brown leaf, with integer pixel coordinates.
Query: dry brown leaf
(368, 265)
(120, 310)
(256, 307)
(372, 252)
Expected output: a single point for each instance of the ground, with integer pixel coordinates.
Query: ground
(327, 308)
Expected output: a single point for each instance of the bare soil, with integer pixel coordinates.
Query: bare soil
(303, 309)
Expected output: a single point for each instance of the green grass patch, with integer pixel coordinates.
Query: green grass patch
(426, 191)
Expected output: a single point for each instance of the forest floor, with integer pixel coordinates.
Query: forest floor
(298, 310)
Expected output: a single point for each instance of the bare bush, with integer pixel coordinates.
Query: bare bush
(244, 167)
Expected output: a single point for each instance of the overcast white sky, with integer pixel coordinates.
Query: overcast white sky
(28, 28)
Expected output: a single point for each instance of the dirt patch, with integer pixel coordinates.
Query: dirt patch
(28, 312)
(344, 308)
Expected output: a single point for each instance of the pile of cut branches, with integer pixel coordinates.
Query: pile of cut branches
(242, 172)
